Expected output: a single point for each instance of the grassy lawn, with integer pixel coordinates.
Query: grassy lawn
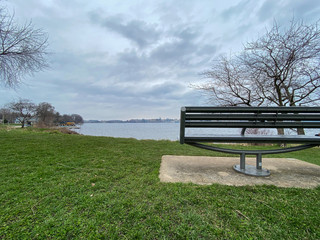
(59, 186)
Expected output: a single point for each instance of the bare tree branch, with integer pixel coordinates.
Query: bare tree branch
(22, 50)
(280, 68)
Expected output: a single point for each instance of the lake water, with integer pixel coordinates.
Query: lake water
(156, 131)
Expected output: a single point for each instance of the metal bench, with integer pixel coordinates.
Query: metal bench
(250, 117)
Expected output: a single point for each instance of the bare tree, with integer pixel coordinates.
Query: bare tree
(230, 84)
(57, 118)
(25, 110)
(7, 115)
(45, 113)
(77, 118)
(62, 119)
(22, 50)
(67, 118)
(286, 64)
(280, 68)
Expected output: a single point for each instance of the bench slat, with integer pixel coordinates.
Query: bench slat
(254, 117)
(252, 124)
(252, 109)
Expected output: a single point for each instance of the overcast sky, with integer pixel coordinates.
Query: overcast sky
(118, 59)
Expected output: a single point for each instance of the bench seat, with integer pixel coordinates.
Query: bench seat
(253, 139)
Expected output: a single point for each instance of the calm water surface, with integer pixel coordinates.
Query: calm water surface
(156, 131)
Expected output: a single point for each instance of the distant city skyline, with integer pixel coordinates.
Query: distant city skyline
(138, 59)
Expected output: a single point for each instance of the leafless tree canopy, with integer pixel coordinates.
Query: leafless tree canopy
(45, 113)
(22, 50)
(25, 109)
(7, 115)
(281, 68)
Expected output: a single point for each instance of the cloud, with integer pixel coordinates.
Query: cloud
(306, 10)
(268, 9)
(239, 10)
(137, 31)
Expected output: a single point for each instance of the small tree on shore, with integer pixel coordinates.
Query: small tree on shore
(45, 113)
(25, 110)
(7, 115)
(77, 118)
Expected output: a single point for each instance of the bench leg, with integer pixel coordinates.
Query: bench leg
(256, 171)
(242, 161)
(259, 161)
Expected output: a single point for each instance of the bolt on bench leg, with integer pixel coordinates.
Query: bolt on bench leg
(257, 170)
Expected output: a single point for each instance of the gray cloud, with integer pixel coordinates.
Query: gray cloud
(307, 10)
(236, 11)
(173, 52)
(137, 31)
(268, 9)
(283, 11)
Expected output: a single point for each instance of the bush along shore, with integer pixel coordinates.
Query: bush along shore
(65, 186)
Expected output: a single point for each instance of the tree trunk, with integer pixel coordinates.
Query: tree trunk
(300, 131)
(281, 132)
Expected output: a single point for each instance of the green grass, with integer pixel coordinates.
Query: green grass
(58, 186)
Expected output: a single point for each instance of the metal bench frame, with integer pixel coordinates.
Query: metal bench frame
(250, 117)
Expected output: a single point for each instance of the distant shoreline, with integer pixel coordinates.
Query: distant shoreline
(160, 120)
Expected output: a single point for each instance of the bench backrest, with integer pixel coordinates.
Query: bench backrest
(249, 117)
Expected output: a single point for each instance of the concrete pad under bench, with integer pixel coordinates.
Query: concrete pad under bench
(285, 172)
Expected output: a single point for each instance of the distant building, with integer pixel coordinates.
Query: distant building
(28, 122)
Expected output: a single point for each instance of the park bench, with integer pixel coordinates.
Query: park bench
(242, 118)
